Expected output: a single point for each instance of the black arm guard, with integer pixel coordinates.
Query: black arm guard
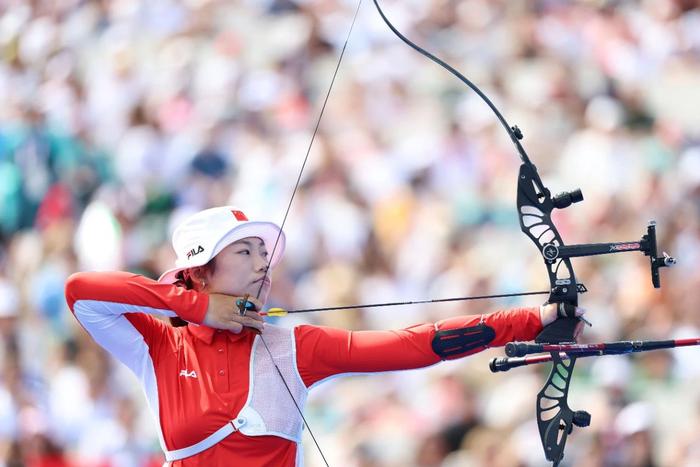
(457, 342)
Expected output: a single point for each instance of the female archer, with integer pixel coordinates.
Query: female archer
(227, 388)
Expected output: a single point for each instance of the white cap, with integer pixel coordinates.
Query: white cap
(203, 235)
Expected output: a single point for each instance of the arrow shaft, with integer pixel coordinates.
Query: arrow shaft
(416, 302)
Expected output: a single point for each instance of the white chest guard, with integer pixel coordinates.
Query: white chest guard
(269, 409)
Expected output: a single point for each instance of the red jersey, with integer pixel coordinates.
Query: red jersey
(196, 378)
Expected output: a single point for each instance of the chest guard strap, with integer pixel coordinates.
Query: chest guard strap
(455, 343)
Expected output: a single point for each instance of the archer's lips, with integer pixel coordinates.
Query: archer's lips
(264, 280)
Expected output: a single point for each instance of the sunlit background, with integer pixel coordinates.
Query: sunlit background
(118, 118)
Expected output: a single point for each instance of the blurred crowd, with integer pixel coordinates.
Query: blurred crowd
(119, 117)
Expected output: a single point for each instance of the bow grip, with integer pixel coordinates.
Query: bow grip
(563, 328)
(557, 332)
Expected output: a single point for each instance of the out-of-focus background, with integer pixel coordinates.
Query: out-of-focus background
(118, 118)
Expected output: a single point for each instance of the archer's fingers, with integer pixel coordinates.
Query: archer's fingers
(566, 310)
(254, 315)
(235, 328)
(249, 322)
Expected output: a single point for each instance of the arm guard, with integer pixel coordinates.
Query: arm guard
(455, 343)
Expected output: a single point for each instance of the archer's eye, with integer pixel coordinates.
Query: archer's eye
(244, 252)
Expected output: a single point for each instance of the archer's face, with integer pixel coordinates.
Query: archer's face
(241, 269)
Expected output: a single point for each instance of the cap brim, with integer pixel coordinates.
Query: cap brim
(170, 276)
(268, 232)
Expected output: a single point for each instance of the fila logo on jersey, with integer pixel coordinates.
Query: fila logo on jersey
(192, 252)
(191, 374)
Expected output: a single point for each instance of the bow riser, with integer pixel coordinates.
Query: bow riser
(535, 206)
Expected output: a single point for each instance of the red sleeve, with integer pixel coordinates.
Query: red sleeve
(323, 352)
(517, 324)
(139, 291)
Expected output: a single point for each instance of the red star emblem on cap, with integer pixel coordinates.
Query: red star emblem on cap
(239, 215)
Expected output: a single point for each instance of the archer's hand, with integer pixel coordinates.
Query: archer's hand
(550, 312)
(223, 313)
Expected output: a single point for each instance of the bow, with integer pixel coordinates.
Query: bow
(535, 203)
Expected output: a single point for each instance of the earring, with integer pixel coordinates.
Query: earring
(204, 284)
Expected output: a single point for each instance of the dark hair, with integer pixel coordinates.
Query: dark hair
(185, 279)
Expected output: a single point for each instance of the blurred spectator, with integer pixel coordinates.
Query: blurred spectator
(120, 117)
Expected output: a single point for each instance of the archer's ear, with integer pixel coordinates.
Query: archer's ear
(196, 274)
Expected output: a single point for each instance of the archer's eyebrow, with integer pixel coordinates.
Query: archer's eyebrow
(249, 244)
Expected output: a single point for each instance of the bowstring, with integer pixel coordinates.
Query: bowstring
(286, 214)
